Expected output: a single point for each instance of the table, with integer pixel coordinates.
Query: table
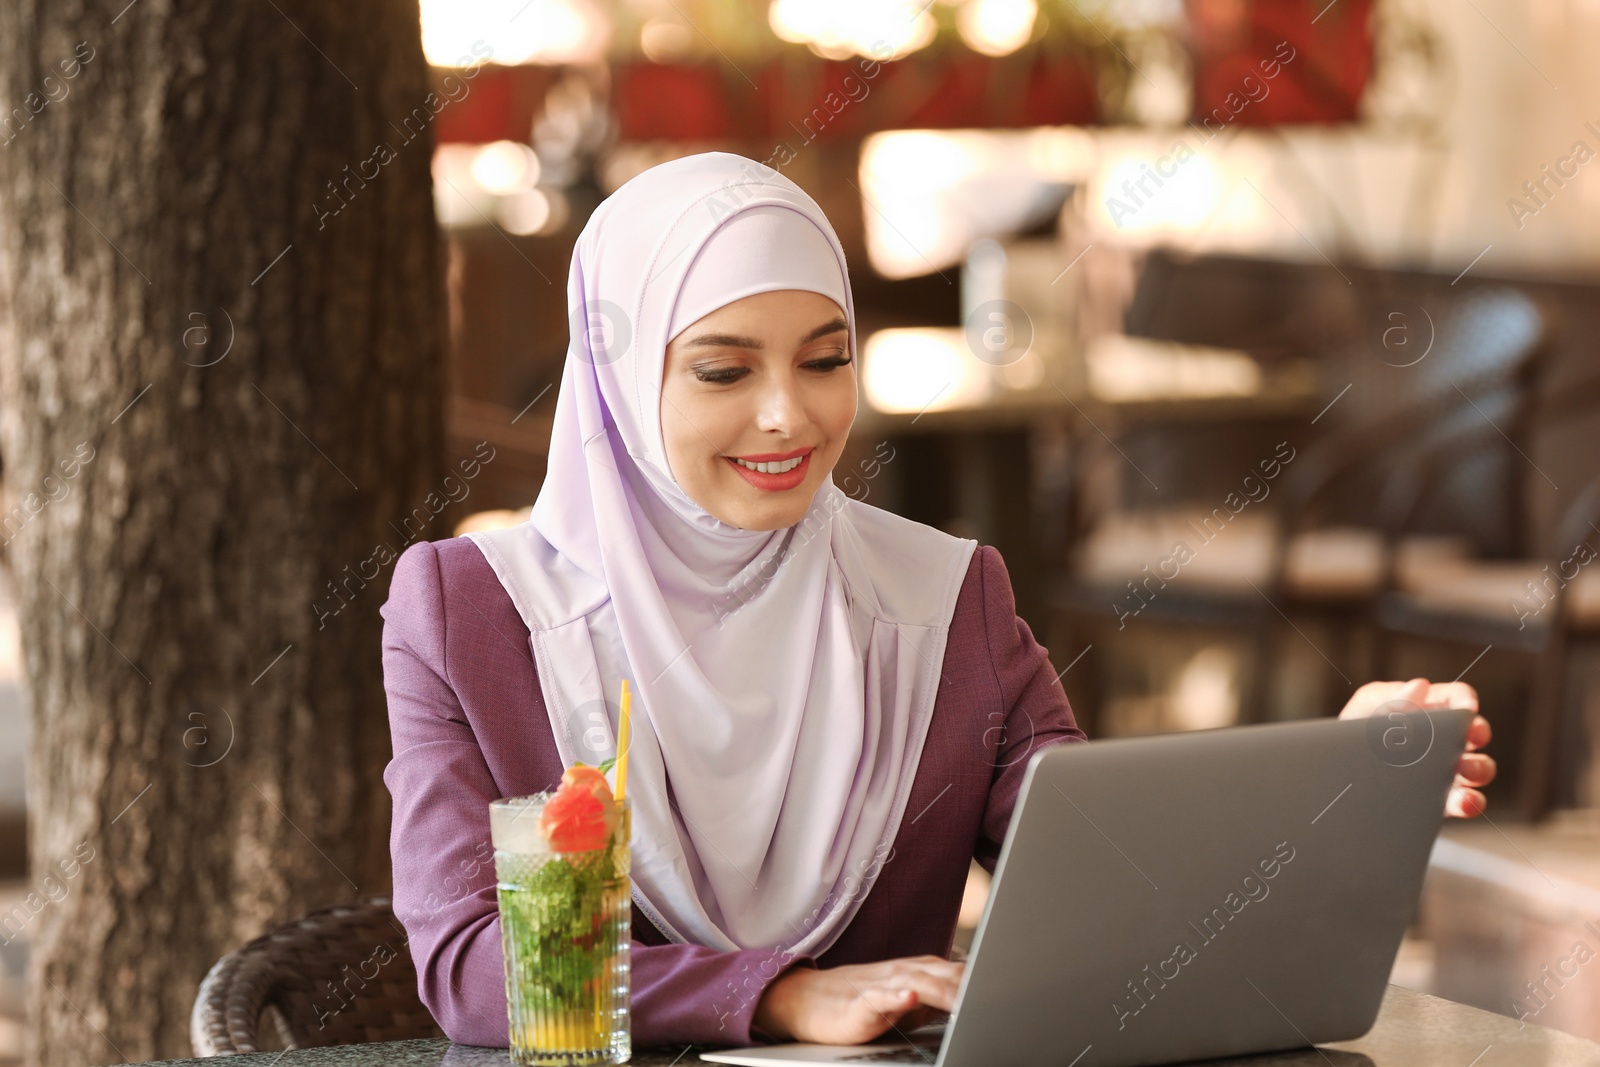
(1412, 1030)
(1011, 461)
(1499, 907)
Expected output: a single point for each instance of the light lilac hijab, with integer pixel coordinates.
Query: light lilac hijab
(782, 680)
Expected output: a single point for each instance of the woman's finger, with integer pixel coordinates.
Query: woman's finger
(938, 966)
(887, 1004)
(1451, 695)
(933, 989)
(1369, 698)
(1479, 733)
(1475, 768)
(1404, 696)
(1465, 803)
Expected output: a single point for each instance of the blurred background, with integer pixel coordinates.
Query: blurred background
(1258, 335)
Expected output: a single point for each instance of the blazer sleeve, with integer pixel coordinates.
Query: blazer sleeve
(1032, 698)
(444, 878)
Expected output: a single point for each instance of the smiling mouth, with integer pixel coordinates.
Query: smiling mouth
(780, 466)
(773, 472)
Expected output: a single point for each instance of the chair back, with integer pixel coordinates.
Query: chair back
(339, 976)
(1434, 434)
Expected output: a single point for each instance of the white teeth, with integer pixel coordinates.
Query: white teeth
(779, 467)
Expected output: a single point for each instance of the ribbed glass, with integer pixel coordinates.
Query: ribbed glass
(565, 920)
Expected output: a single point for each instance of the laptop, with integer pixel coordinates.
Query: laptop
(1195, 895)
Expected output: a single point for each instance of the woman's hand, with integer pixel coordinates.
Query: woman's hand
(853, 1004)
(1474, 769)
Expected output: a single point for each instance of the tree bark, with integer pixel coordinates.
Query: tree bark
(220, 386)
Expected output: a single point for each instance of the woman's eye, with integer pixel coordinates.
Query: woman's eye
(720, 375)
(831, 363)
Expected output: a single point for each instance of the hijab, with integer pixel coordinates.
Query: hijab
(782, 680)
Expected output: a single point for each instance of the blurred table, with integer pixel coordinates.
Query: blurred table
(1505, 906)
(984, 442)
(926, 379)
(1412, 1029)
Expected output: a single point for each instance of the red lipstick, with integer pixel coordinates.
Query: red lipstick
(773, 483)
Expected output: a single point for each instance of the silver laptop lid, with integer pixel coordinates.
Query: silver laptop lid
(1204, 894)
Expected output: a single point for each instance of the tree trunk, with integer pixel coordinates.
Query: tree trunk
(220, 364)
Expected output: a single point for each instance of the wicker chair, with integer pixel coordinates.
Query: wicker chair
(342, 975)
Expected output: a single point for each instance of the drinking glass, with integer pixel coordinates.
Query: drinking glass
(565, 921)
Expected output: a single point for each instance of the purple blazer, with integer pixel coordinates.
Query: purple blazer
(469, 725)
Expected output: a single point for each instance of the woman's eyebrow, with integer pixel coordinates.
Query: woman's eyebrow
(722, 340)
(729, 340)
(824, 330)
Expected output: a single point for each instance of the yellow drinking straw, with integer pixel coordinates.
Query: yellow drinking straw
(622, 741)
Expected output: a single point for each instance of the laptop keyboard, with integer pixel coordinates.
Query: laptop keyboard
(894, 1055)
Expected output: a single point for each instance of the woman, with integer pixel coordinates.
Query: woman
(834, 706)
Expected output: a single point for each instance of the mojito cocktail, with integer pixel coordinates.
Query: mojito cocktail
(562, 863)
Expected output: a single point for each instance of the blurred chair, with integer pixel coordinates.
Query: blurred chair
(1541, 609)
(1342, 525)
(339, 976)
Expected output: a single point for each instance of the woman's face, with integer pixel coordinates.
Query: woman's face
(767, 380)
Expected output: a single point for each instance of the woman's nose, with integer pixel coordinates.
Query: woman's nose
(779, 408)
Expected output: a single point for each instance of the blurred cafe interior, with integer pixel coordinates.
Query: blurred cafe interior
(1257, 335)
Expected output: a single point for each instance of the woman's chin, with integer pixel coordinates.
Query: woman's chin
(764, 518)
(774, 511)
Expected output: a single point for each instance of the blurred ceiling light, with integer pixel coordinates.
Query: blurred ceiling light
(1131, 369)
(665, 40)
(1058, 153)
(1139, 14)
(515, 31)
(458, 200)
(505, 167)
(474, 184)
(524, 213)
(926, 158)
(922, 369)
(928, 194)
(1144, 195)
(906, 179)
(996, 27)
(838, 29)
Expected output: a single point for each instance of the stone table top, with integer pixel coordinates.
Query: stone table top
(1412, 1029)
